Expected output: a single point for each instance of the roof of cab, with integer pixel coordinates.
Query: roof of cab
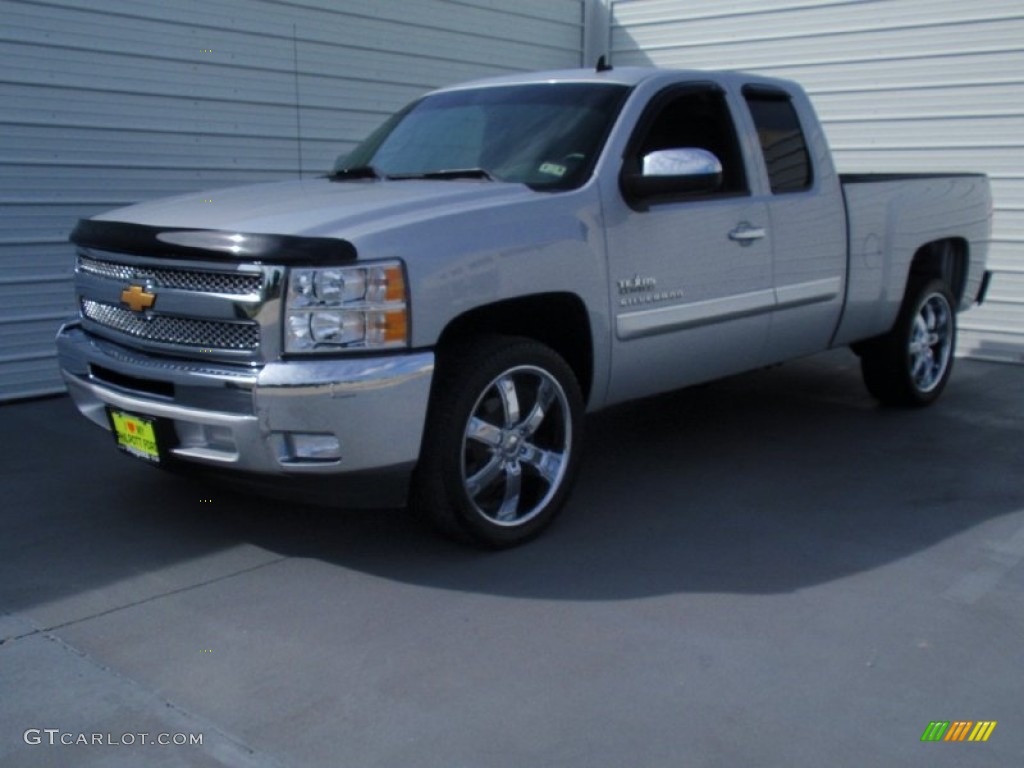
(628, 76)
(622, 76)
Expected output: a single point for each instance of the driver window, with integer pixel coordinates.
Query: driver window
(701, 119)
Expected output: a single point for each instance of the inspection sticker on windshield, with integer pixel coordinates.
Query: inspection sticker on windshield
(135, 435)
(553, 169)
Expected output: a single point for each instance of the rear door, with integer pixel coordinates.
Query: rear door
(808, 226)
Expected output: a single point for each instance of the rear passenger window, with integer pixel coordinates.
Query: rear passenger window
(782, 140)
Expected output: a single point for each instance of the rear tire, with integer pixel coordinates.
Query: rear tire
(911, 364)
(502, 442)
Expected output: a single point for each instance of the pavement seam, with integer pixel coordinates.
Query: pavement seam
(144, 601)
(999, 559)
(231, 751)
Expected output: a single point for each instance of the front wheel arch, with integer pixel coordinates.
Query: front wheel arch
(559, 320)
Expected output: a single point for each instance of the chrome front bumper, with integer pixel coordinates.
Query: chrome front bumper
(300, 417)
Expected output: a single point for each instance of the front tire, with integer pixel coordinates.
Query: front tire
(911, 364)
(502, 442)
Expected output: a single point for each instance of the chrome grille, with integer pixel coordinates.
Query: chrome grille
(171, 364)
(233, 283)
(168, 329)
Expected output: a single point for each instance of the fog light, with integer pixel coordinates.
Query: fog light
(313, 447)
(219, 438)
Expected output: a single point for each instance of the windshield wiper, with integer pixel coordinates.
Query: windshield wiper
(356, 172)
(369, 172)
(454, 173)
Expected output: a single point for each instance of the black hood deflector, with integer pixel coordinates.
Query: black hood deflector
(210, 244)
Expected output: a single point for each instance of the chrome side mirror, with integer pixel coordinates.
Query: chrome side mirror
(667, 172)
(681, 162)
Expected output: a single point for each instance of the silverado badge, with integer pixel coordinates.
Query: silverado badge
(637, 290)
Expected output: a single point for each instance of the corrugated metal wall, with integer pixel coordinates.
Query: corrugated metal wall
(901, 85)
(108, 102)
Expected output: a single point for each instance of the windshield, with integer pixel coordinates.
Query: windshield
(545, 135)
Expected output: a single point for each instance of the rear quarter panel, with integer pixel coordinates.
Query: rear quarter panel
(889, 219)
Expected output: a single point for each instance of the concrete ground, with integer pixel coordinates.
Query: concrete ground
(768, 571)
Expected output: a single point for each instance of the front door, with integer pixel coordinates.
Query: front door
(691, 277)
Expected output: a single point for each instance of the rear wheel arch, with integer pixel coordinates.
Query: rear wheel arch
(944, 260)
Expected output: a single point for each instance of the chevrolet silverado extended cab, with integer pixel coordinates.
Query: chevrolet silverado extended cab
(429, 323)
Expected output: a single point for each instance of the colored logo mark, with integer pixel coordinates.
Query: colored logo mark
(959, 730)
(137, 298)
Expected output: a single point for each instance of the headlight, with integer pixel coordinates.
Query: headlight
(337, 308)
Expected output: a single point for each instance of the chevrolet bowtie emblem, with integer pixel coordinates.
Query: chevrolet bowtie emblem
(137, 298)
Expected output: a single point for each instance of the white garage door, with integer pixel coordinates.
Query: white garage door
(901, 85)
(108, 102)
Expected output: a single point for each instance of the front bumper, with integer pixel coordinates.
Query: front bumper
(363, 416)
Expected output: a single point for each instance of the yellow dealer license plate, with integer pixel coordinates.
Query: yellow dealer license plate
(135, 435)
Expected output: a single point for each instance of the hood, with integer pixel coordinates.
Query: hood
(319, 208)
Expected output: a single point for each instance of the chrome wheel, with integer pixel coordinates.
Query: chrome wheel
(931, 343)
(911, 364)
(516, 446)
(502, 441)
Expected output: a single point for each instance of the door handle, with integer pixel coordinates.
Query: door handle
(746, 234)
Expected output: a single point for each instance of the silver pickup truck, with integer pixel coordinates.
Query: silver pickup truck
(428, 323)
